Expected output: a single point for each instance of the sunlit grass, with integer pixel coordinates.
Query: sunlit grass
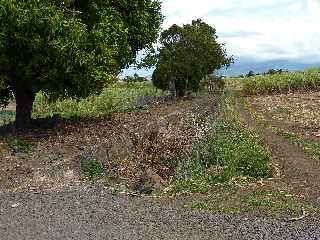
(283, 82)
(119, 97)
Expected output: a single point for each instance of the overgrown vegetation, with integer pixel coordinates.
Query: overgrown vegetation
(119, 97)
(6, 117)
(284, 82)
(229, 150)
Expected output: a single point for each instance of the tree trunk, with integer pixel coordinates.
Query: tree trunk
(172, 89)
(180, 92)
(24, 103)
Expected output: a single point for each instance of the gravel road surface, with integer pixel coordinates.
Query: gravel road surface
(90, 213)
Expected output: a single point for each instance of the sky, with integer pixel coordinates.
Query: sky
(255, 31)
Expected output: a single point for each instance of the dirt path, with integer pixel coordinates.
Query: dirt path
(298, 170)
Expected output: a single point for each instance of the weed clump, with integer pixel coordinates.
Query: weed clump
(92, 168)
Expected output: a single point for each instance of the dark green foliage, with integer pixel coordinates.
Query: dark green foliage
(187, 54)
(274, 71)
(69, 48)
(250, 74)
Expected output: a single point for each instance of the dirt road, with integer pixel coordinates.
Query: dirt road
(300, 171)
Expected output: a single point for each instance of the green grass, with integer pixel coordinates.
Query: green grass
(283, 82)
(119, 97)
(230, 151)
(274, 203)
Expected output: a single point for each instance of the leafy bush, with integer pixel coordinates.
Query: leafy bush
(283, 82)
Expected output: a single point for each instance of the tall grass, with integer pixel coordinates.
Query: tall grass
(283, 82)
(119, 97)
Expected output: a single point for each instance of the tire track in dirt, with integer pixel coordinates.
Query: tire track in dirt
(298, 170)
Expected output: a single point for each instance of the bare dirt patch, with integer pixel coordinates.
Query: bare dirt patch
(298, 112)
(137, 150)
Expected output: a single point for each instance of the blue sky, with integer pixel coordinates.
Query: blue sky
(260, 30)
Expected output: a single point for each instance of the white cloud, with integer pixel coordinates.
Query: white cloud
(295, 7)
(314, 7)
(285, 31)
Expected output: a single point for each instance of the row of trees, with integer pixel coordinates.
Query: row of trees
(269, 72)
(134, 78)
(74, 48)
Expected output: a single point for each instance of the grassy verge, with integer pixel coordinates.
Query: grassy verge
(282, 82)
(116, 98)
(273, 203)
(119, 97)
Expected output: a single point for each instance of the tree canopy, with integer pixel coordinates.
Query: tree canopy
(186, 55)
(69, 47)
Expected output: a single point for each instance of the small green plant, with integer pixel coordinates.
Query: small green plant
(92, 168)
(19, 146)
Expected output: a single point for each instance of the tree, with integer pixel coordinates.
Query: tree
(69, 48)
(250, 74)
(134, 78)
(186, 55)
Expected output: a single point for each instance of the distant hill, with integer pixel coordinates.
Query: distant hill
(242, 66)
(245, 65)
